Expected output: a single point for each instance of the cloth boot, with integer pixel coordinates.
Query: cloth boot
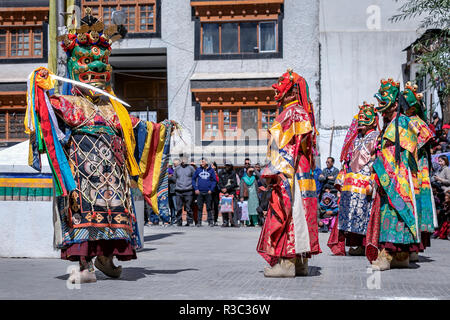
(301, 266)
(383, 261)
(400, 260)
(285, 268)
(359, 251)
(106, 265)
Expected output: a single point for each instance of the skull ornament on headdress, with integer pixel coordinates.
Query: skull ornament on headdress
(413, 99)
(88, 49)
(367, 116)
(387, 94)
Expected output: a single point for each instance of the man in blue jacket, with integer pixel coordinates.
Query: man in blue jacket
(204, 181)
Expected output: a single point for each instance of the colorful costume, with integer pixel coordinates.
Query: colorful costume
(290, 232)
(395, 166)
(427, 217)
(356, 180)
(94, 149)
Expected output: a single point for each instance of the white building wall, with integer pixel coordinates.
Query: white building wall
(359, 46)
(300, 52)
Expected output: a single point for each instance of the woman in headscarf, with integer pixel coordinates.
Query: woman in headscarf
(248, 192)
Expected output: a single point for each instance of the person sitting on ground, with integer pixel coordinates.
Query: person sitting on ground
(328, 212)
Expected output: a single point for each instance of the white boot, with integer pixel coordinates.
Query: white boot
(84, 276)
(383, 261)
(285, 268)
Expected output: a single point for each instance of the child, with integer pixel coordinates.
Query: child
(328, 212)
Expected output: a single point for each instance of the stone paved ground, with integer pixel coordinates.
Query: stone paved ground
(219, 263)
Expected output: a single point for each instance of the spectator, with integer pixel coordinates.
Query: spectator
(184, 191)
(194, 205)
(266, 193)
(436, 122)
(172, 198)
(443, 215)
(441, 178)
(243, 170)
(248, 192)
(228, 185)
(204, 183)
(328, 212)
(258, 171)
(329, 175)
(446, 129)
(215, 194)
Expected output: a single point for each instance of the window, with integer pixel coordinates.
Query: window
(11, 125)
(239, 37)
(211, 124)
(21, 43)
(237, 122)
(141, 15)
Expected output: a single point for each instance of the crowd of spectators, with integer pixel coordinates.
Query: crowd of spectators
(195, 188)
(440, 175)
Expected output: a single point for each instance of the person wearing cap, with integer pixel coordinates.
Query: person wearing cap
(227, 186)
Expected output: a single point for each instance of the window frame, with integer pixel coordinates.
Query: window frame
(9, 108)
(221, 136)
(43, 57)
(278, 54)
(136, 33)
(257, 37)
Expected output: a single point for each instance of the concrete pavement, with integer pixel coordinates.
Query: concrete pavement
(222, 263)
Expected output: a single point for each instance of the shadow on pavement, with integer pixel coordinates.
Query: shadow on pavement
(424, 259)
(132, 274)
(145, 249)
(160, 236)
(314, 271)
(136, 273)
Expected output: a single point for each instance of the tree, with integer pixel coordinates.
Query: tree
(431, 51)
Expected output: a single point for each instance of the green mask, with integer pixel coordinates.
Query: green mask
(89, 64)
(367, 115)
(387, 94)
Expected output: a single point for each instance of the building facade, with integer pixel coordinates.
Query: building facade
(23, 47)
(209, 64)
